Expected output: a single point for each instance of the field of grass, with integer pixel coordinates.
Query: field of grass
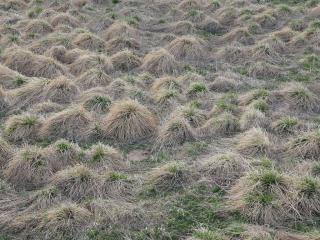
(159, 119)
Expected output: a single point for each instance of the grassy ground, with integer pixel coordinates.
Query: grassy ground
(159, 120)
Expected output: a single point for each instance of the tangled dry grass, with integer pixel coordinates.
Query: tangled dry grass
(159, 120)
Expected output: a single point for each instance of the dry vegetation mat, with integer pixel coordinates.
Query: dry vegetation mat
(159, 119)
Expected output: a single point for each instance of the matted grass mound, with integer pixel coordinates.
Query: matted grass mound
(61, 90)
(57, 52)
(117, 44)
(42, 199)
(120, 29)
(73, 123)
(307, 197)
(65, 221)
(129, 121)
(11, 79)
(119, 213)
(254, 142)
(95, 101)
(175, 132)
(167, 82)
(28, 169)
(4, 102)
(46, 107)
(117, 185)
(6, 152)
(300, 98)
(305, 146)
(224, 124)
(169, 177)
(90, 42)
(125, 60)
(54, 39)
(39, 27)
(93, 78)
(286, 125)
(253, 118)
(225, 169)
(102, 157)
(85, 62)
(160, 62)
(77, 183)
(64, 19)
(32, 65)
(262, 197)
(187, 48)
(61, 154)
(29, 94)
(196, 117)
(22, 128)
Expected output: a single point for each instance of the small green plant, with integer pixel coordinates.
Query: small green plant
(20, 81)
(98, 155)
(63, 146)
(38, 2)
(268, 178)
(286, 125)
(35, 12)
(193, 13)
(260, 197)
(266, 163)
(309, 186)
(254, 28)
(216, 3)
(284, 9)
(29, 120)
(260, 93)
(98, 102)
(260, 105)
(13, 38)
(165, 95)
(31, 35)
(194, 104)
(196, 88)
(115, 176)
(227, 103)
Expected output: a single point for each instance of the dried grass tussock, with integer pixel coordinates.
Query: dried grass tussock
(85, 62)
(120, 29)
(72, 123)
(28, 169)
(129, 121)
(32, 65)
(160, 62)
(262, 197)
(187, 48)
(158, 120)
(175, 132)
